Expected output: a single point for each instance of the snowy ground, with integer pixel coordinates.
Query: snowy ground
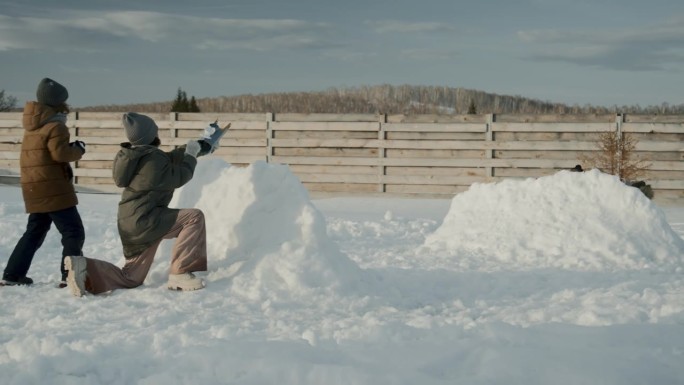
(568, 279)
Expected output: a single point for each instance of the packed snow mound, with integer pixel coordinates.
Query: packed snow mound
(263, 232)
(583, 221)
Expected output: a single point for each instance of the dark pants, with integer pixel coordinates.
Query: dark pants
(68, 223)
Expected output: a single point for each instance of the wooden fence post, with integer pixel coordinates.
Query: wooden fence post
(382, 153)
(618, 133)
(173, 129)
(489, 153)
(270, 118)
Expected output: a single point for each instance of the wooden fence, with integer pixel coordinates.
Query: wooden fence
(422, 155)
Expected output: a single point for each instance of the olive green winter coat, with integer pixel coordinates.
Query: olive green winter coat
(149, 177)
(46, 176)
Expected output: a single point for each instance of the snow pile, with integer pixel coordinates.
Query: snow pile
(263, 232)
(584, 221)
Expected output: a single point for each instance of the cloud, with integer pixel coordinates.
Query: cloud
(351, 56)
(650, 48)
(395, 26)
(429, 54)
(92, 30)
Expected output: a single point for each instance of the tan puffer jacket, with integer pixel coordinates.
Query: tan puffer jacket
(45, 155)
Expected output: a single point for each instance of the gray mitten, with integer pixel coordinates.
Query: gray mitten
(192, 148)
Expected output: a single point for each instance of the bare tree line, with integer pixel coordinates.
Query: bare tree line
(389, 99)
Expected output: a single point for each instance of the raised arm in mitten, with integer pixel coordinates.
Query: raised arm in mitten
(210, 138)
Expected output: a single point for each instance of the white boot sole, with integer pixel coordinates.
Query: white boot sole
(76, 289)
(177, 288)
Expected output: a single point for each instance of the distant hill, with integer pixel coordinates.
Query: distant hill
(389, 99)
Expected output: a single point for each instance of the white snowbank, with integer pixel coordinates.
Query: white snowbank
(585, 221)
(263, 232)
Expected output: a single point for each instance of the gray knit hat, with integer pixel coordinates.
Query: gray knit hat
(140, 129)
(51, 93)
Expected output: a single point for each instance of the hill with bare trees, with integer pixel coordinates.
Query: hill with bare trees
(389, 99)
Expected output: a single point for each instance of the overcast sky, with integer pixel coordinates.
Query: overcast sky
(602, 52)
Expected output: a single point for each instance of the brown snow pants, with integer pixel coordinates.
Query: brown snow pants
(189, 254)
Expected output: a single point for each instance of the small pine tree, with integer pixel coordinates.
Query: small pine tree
(193, 105)
(177, 105)
(182, 104)
(472, 110)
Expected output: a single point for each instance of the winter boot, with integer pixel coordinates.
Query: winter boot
(76, 265)
(185, 282)
(62, 284)
(16, 281)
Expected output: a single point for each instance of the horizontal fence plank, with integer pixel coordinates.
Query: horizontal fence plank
(92, 115)
(434, 127)
(243, 159)
(339, 178)
(318, 169)
(479, 162)
(470, 118)
(321, 160)
(630, 118)
(341, 187)
(11, 116)
(415, 135)
(101, 156)
(660, 146)
(670, 128)
(325, 152)
(98, 188)
(668, 184)
(310, 142)
(666, 165)
(225, 142)
(447, 191)
(11, 163)
(295, 117)
(325, 134)
(208, 117)
(486, 145)
(392, 179)
(325, 126)
(102, 173)
(201, 125)
(552, 127)
(9, 123)
(99, 123)
(9, 155)
(556, 118)
(435, 180)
